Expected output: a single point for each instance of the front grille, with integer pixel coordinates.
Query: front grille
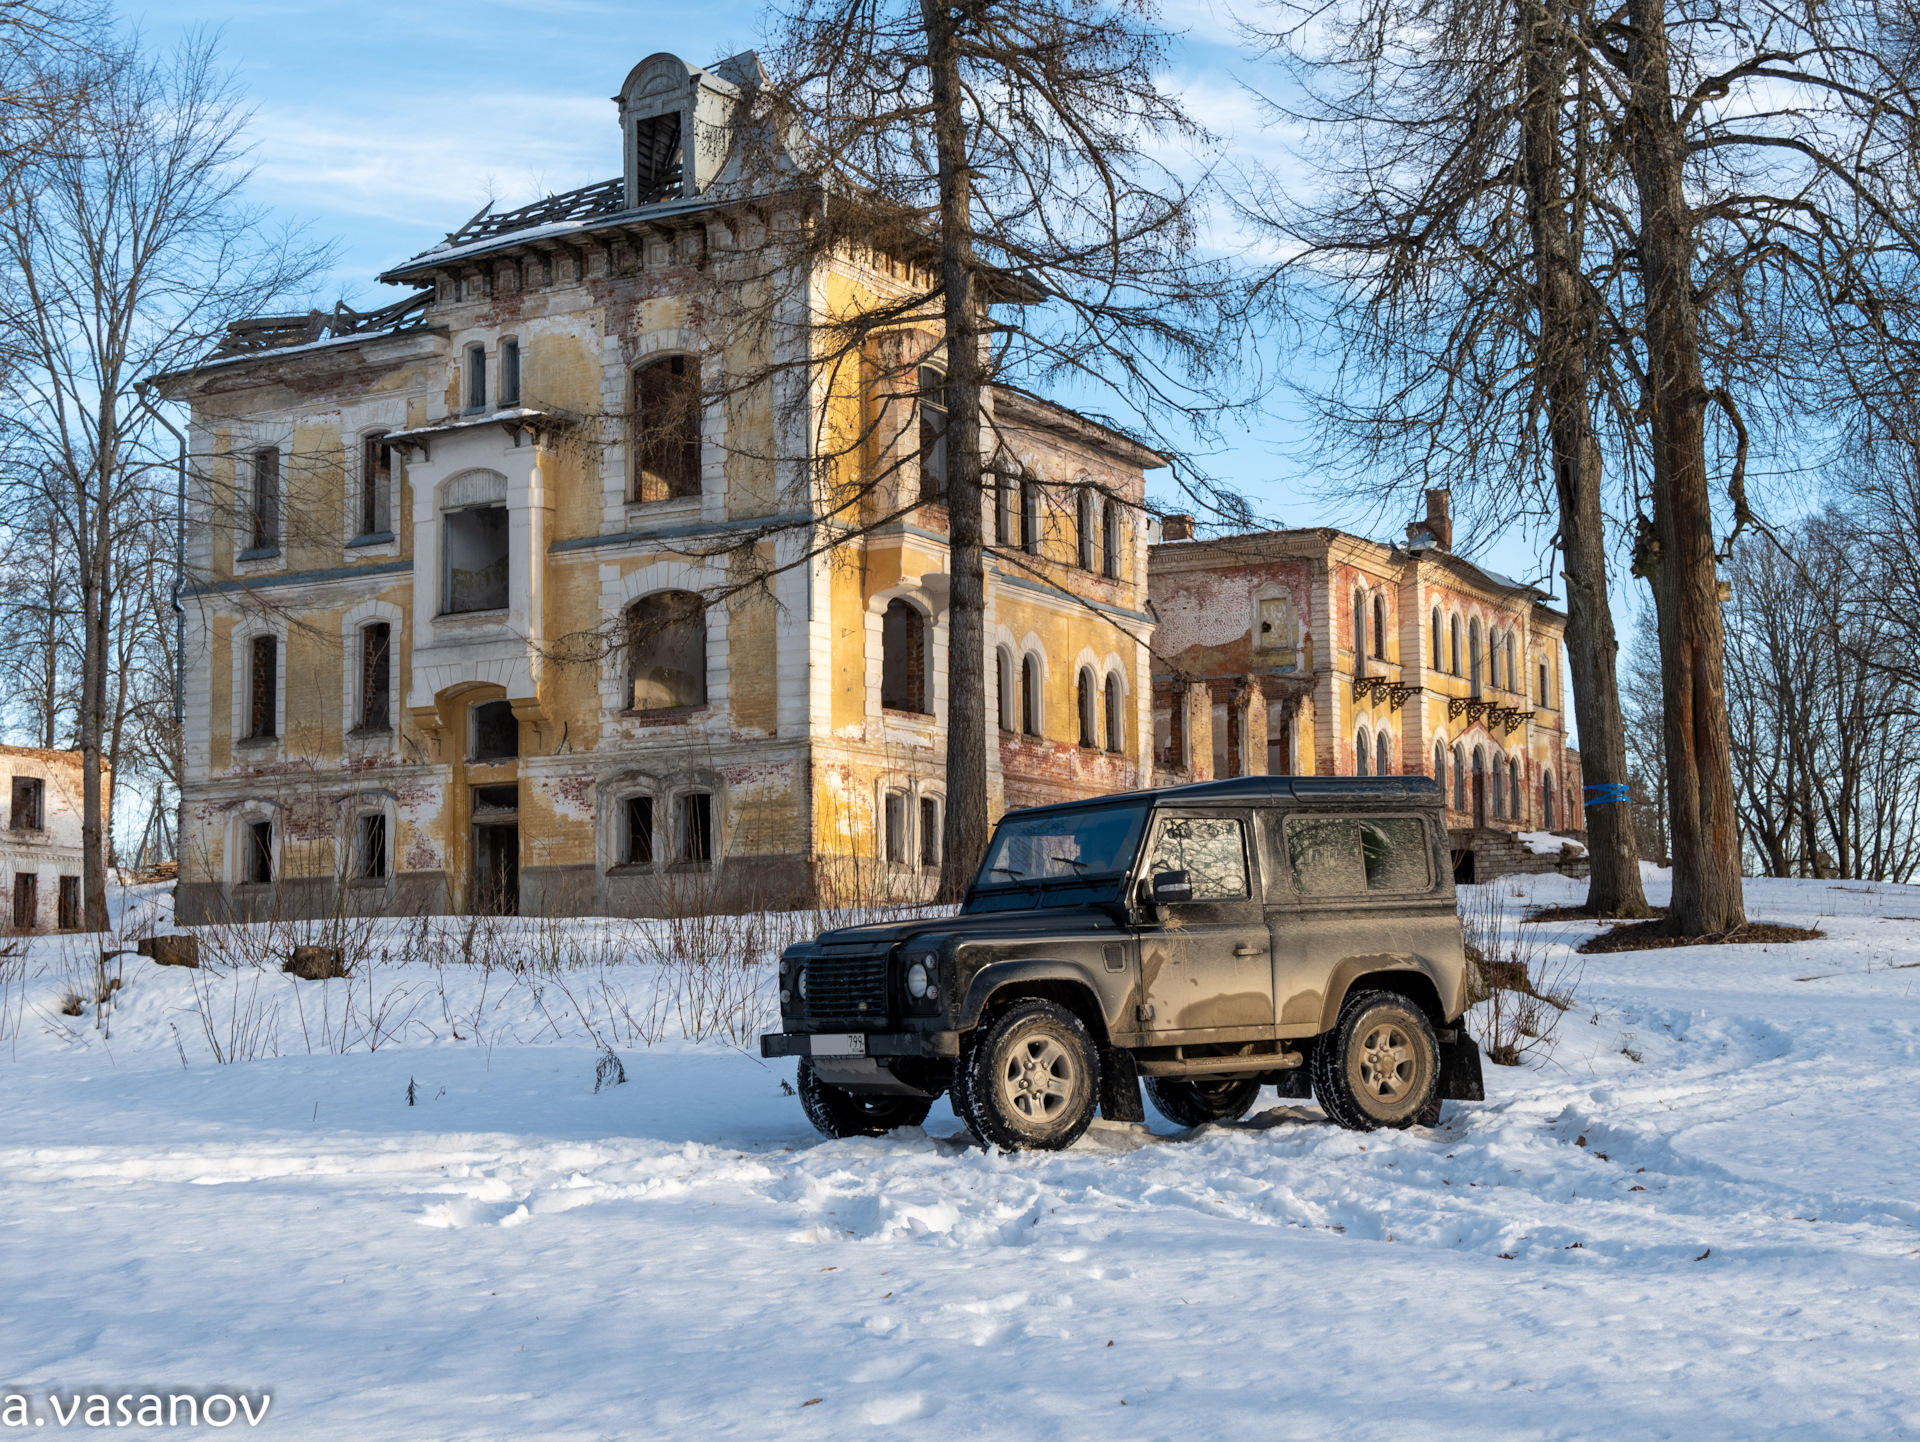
(847, 987)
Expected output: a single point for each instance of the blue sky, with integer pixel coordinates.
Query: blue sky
(381, 126)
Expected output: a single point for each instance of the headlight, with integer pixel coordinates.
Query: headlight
(919, 980)
(800, 984)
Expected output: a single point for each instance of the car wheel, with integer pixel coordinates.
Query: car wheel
(837, 1112)
(1379, 1066)
(1195, 1103)
(1033, 1079)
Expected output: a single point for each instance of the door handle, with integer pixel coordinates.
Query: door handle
(1244, 950)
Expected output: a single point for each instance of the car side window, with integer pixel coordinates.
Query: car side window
(1395, 851)
(1341, 856)
(1212, 851)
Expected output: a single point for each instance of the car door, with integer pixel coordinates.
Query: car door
(1342, 887)
(1205, 966)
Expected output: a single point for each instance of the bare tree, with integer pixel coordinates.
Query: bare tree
(1445, 249)
(124, 247)
(1034, 198)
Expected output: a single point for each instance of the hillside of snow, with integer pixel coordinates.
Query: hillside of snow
(403, 1211)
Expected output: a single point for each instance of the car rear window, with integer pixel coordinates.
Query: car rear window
(1344, 855)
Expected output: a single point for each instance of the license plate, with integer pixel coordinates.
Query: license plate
(840, 1044)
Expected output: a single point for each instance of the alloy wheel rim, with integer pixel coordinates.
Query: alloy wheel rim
(1038, 1079)
(1385, 1063)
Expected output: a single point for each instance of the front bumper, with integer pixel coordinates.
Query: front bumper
(903, 1043)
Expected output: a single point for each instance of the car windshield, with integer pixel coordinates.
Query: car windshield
(1063, 844)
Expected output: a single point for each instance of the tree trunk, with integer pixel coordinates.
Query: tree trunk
(966, 828)
(1707, 896)
(1564, 335)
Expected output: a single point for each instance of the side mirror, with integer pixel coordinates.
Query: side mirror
(1172, 886)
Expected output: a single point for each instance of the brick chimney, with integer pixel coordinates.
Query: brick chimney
(1176, 528)
(1440, 518)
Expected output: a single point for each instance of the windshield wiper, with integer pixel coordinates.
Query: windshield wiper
(1008, 870)
(1070, 861)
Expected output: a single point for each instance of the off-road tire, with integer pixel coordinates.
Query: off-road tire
(836, 1112)
(1033, 1079)
(1379, 1066)
(1195, 1103)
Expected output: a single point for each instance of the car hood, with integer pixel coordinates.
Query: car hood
(886, 933)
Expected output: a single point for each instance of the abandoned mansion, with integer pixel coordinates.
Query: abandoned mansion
(512, 596)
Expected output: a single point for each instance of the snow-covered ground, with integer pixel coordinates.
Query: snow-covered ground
(1700, 1218)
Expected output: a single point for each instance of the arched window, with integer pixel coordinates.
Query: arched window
(1029, 695)
(1083, 536)
(1116, 723)
(1362, 752)
(666, 429)
(1499, 789)
(1473, 652)
(476, 378)
(1514, 792)
(1546, 800)
(376, 677)
(1455, 667)
(1359, 628)
(1543, 682)
(1380, 626)
(1383, 754)
(1005, 525)
(1003, 674)
(933, 437)
(667, 651)
(1515, 681)
(1438, 664)
(1030, 516)
(1493, 658)
(1459, 777)
(1110, 540)
(1083, 701)
(1440, 767)
(509, 373)
(496, 731)
(903, 659)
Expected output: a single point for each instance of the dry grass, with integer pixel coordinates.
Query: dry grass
(1519, 987)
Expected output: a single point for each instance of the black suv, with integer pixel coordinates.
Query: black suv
(1298, 932)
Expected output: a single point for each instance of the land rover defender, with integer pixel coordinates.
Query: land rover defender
(1298, 932)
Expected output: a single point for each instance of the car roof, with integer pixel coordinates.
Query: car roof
(1267, 790)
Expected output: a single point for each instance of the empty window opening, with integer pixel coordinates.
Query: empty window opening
(1003, 675)
(376, 677)
(903, 659)
(29, 804)
(929, 832)
(69, 919)
(1440, 767)
(373, 847)
(477, 568)
(1514, 679)
(1110, 541)
(696, 827)
(657, 166)
(263, 694)
(1029, 696)
(1359, 628)
(1004, 524)
(1279, 740)
(1473, 653)
(509, 373)
(1499, 789)
(1455, 667)
(1223, 757)
(1514, 793)
(494, 802)
(1546, 800)
(1543, 683)
(376, 487)
(667, 651)
(666, 408)
(1437, 664)
(258, 869)
(26, 900)
(1030, 517)
(476, 378)
(1459, 778)
(496, 734)
(1380, 627)
(1116, 730)
(1362, 753)
(1083, 534)
(898, 842)
(264, 510)
(1083, 698)
(1383, 755)
(933, 437)
(1493, 657)
(638, 847)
